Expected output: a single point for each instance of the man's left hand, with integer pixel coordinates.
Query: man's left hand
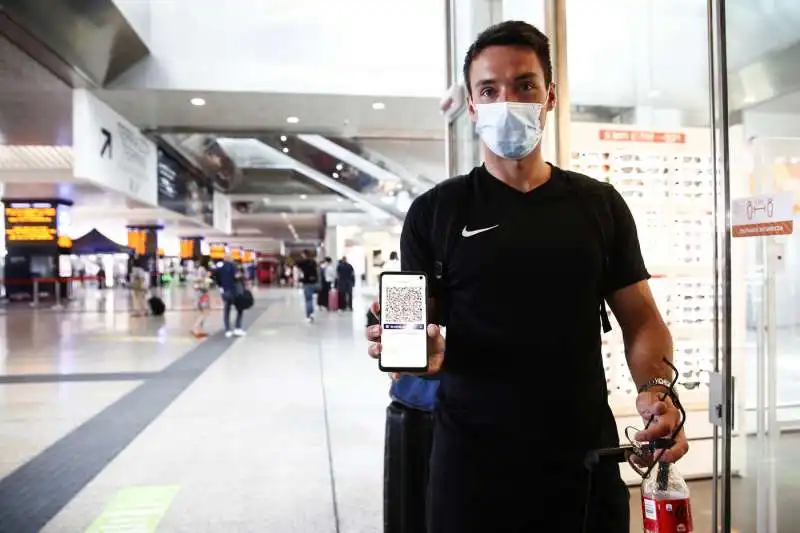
(667, 418)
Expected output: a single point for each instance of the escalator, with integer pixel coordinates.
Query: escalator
(377, 186)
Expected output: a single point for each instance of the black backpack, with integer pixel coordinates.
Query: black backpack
(459, 192)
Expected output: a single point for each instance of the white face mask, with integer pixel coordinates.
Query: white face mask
(512, 130)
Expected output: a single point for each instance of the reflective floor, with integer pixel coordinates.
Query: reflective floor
(113, 423)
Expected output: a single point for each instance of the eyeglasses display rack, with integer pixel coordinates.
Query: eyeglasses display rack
(666, 179)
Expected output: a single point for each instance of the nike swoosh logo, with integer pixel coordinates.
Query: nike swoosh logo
(467, 233)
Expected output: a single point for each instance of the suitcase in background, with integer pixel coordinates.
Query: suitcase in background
(333, 300)
(409, 438)
(157, 307)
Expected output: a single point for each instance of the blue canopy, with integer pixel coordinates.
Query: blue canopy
(95, 242)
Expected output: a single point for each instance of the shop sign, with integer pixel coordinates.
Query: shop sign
(31, 223)
(643, 136)
(763, 215)
(110, 151)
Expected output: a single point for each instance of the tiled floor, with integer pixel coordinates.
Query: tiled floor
(281, 431)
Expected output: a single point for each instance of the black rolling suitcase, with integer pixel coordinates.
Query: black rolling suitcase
(157, 307)
(409, 438)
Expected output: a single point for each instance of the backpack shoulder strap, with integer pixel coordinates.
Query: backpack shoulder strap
(452, 200)
(593, 198)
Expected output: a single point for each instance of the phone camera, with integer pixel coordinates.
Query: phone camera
(420, 277)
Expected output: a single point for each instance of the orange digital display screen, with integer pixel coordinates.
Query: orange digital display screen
(187, 248)
(217, 251)
(31, 224)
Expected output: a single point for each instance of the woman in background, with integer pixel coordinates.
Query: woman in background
(202, 285)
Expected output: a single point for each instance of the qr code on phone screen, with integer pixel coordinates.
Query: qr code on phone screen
(404, 304)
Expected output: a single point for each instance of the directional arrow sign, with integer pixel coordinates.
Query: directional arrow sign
(106, 143)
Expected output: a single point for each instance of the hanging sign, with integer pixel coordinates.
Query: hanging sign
(762, 215)
(643, 136)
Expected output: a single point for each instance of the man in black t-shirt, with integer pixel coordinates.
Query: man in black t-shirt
(523, 394)
(309, 270)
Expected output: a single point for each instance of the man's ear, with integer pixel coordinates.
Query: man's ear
(470, 106)
(552, 97)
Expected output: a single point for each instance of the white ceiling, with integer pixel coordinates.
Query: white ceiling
(259, 112)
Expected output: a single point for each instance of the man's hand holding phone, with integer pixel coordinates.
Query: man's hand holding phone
(435, 343)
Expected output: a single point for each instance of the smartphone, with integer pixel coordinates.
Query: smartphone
(404, 318)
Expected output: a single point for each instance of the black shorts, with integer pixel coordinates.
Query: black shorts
(475, 488)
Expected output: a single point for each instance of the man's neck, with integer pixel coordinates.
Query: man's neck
(524, 174)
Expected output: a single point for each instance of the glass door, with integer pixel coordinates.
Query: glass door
(765, 489)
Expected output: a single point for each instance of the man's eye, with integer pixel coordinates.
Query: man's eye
(528, 86)
(487, 91)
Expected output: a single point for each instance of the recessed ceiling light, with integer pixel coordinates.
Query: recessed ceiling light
(339, 166)
(267, 200)
(199, 102)
(336, 175)
(339, 199)
(303, 196)
(285, 150)
(377, 106)
(292, 120)
(283, 138)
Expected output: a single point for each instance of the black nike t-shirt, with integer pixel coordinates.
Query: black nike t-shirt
(523, 283)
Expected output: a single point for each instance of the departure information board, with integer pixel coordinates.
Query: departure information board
(31, 224)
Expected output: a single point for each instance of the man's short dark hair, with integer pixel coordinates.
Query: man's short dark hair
(511, 33)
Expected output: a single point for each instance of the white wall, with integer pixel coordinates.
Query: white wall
(380, 47)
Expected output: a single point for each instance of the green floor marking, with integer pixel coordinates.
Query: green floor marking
(138, 509)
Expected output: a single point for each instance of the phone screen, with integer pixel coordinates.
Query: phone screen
(404, 310)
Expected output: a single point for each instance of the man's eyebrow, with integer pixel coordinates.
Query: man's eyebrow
(521, 77)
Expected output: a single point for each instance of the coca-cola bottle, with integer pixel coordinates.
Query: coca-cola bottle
(665, 501)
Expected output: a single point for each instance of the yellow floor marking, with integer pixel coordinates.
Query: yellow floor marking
(138, 509)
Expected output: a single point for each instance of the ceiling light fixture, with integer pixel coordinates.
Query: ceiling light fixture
(303, 196)
(378, 106)
(336, 175)
(339, 166)
(292, 120)
(285, 150)
(197, 102)
(283, 138)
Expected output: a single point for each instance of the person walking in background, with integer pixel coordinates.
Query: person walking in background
(309, 272)
(231, 284)
(202, 286)
(345, 281)
(393, 264)
(326, 268)
(139, 288)
(331, 295)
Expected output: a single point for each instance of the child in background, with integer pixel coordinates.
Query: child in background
(202, 285)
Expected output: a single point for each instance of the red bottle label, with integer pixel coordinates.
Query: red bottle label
(667, 516)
